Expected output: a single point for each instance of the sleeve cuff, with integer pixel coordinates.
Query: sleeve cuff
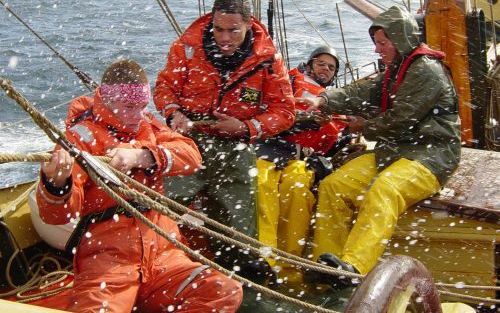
(57, 191)
(254, 129)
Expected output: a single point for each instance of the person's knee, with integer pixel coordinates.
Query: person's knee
(221, 288)
(331, 183)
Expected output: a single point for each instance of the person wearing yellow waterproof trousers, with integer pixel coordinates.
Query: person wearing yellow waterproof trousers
(411, 111)
(286, 173)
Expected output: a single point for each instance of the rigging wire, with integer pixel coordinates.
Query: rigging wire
(270, 18)
(84, 77)
(347, 63)
(284, 32)
(316, 29)
(256, 9)
(280, 38)
(378, 5)
(170, 16)
(311, 24)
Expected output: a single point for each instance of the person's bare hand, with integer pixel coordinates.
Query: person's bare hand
(181, 123)
(59, 168)
(125, 159)
(228, 126)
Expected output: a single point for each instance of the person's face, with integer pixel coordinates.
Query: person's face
(229, 31)
(323, 68)
(130, 113)
(384, 47)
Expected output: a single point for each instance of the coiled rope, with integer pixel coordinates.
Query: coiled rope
(40, 278)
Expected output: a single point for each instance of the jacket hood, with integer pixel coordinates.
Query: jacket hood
(400, 27)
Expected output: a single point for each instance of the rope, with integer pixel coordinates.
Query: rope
(38, 157)
(170, 16)
(460, 286)
(165, 209)
(136, 196)
(195, 255)
(36, 269)
(466, 297)
(285, 40)
(84, 77)
(59, 138)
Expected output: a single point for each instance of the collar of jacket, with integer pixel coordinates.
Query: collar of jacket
(402, 68)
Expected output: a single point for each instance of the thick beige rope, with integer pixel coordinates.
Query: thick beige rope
(53, 133)
(165, 210)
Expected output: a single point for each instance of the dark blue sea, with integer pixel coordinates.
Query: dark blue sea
(92, 34)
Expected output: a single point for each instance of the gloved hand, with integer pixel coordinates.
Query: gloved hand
(308, 121)
(321, 166)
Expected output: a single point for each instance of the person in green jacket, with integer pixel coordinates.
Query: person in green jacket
(411, 111)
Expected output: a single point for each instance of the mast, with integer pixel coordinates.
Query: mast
(451, 28)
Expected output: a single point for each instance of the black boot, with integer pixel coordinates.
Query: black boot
(337, 282)
(259, 271)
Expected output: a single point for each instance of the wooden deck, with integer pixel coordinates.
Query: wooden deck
(474, 188)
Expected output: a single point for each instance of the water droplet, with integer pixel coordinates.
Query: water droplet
(253, 172)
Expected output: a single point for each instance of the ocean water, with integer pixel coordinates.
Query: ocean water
(92, 34)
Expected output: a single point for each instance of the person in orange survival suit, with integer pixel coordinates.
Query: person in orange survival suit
(225, 86)
(286, 173)
(120, 264)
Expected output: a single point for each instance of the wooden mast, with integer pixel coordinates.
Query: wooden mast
(445, 29)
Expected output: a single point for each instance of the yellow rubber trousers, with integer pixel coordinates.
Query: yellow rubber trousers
(285, 203)
(380, 199)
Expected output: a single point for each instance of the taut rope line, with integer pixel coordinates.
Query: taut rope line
(40, 157)
(165, 210)
(60, 138)
(158, 207)
(50, 129)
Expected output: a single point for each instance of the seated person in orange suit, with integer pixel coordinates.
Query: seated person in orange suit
(120, 264)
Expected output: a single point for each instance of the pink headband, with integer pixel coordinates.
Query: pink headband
(126, 92)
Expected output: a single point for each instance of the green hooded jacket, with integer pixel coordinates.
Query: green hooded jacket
(423, 123)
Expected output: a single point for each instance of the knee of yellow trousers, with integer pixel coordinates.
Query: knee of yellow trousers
(367, 262)
(264, 169)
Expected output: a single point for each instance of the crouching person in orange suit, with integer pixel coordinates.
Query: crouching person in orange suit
(120, 264)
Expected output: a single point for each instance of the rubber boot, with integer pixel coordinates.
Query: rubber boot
(335, 281)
